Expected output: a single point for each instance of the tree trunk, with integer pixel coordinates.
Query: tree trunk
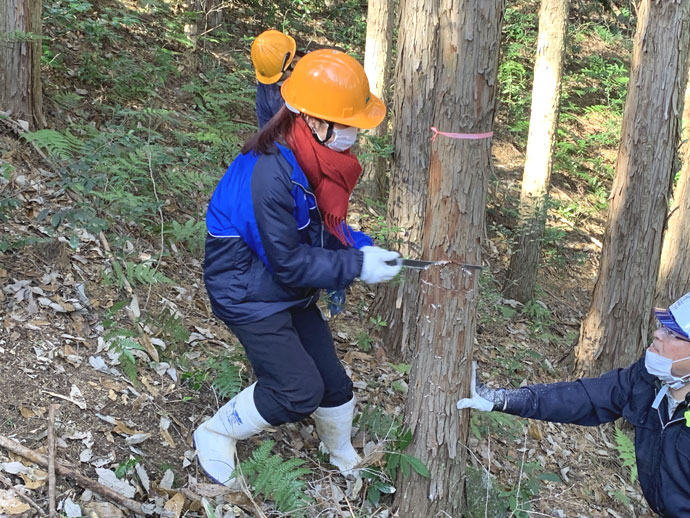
(615, 330)
(377, 61)
(209, 16)
(546, 92)
(20, 60)
(674, 275)
(414, 97)
(466, 49)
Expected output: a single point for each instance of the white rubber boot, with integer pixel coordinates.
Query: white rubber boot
(216, 439)
(334, 426)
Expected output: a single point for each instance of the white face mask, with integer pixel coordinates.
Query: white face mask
(660, 367)
(343, 139)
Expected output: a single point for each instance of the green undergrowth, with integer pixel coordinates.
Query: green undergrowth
(594, 86)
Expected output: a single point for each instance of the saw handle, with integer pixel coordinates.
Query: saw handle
(392, 262)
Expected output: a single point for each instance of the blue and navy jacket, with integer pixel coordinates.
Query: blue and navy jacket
(267, 249)
(662, 445)
(268, 102)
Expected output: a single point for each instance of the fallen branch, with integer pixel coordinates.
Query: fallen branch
(21, 495)
(80, 479)
(51, 461)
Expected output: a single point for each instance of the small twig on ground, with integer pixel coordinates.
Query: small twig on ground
(162, 220)
(113, 260)
(352, 513)
(51, 460)
(488, 479)
(80, 479)
(522, 465)
(21, 495)
(239, 478)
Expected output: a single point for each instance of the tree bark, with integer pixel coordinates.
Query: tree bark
(377, 64)
(615, 330)
(465, 46)
(209, 16)
(20, 60)
(546, 92)
(413, 101)
(674, 275)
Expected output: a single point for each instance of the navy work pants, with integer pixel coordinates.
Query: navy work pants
(295, 363)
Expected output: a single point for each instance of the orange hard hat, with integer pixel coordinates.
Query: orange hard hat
(330, 85)
(272, 52)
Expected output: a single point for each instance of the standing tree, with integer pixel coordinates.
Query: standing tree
(615, 330)
(377, 65)
(674, 275)
(207, 15)
(546, 92)
(464, 49)
(20, 60)
(413, 103)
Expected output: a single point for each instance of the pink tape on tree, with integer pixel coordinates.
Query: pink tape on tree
(466, 136)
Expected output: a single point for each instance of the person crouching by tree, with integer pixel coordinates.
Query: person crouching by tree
(276, 236)
(652, 394)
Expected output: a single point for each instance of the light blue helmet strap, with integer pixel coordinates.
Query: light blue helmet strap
(660, 396)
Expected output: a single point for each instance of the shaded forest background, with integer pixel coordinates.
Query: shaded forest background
(103, 306)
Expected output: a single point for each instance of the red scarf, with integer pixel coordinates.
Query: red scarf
(332, 174)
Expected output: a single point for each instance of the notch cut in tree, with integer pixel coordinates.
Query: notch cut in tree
(464, 48)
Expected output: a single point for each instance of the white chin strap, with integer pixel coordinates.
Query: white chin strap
(293, 110)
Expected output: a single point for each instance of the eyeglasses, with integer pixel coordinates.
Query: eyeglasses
(670, 332)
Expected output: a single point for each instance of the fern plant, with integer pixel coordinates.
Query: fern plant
(228, 375)
(385, 427)
(277, 479)
(626, 453)
(65, 146)
(192, 233)
(144, 273)
(124, 345)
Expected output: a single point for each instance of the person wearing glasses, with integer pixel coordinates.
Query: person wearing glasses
(652, 394)
(276, 237)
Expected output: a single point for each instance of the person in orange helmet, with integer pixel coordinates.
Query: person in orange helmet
(274, 54)
(276, 237)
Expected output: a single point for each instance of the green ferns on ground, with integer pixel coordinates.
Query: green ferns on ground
(626, 453)
(277, 479)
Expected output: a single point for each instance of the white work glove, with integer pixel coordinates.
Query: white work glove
(482, 397)
(374, 267)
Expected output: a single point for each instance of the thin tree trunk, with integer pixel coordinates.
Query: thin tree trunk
(377, 62)
(209, 16)
(467, 45)
(413, 102)
(20, 60)
(546, 92)
(674, 275)
(615, 330)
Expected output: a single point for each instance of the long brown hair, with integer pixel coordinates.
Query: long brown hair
(263, 141)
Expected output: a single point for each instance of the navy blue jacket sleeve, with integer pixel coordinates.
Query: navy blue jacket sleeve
(587, 401)
(359, 239)
(292, 261)
(268, 102)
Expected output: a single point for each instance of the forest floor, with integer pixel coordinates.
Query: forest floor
(61, 309)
